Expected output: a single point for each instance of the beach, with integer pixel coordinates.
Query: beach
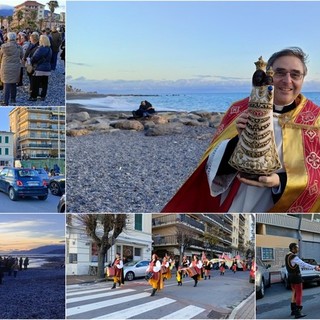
(132, 166)
(36, 293)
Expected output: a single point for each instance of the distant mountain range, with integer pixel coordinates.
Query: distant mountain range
(50, 249)
(6, 10)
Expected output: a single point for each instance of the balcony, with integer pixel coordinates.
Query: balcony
(174, 219)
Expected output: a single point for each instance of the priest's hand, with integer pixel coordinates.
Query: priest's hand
(264, 181)
(241, 121)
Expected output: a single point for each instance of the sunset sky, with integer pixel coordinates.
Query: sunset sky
(133, 46)
(28, 231)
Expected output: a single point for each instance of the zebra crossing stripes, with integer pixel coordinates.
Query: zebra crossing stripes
(97, 296)
(97, 305)
(185, 313)
(78, 292)
(80, 304)
(136, 310)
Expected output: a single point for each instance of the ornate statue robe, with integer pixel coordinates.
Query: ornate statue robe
(300, 129)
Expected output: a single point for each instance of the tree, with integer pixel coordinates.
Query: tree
(9, 19)
(184, 239)
(211, 238)
(109, 226)
(19, 17)
(52, 6)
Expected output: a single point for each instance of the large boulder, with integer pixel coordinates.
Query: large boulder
(81, 116)
(164, 129)
(128, 125)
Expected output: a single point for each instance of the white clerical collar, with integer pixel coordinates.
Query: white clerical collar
(280, 107)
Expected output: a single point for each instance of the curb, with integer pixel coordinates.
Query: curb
(237, 308)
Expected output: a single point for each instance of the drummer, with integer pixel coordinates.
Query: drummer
(157, 280)
(196, 264)
(118, 271)
(166, 268)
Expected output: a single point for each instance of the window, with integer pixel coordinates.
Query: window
(73, 258)
(0, 151)
(137, 252)
(6, 139)
(6, 151)
(0, 139)
(267, 254)
(138, 221)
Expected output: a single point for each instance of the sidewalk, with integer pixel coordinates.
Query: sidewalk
(82, 279)
(246, 309)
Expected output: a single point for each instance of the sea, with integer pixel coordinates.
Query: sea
(35, 260)
(212, 102)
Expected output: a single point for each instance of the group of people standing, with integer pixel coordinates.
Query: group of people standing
(12, 265)
(37, 53)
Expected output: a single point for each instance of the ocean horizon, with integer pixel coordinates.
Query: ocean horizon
(212, 102)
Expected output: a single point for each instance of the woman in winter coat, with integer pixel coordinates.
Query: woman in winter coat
(10, 64)
(32, 47)
(41, 60)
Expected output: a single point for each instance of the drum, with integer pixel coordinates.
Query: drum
(110, 272)
(164, 269)
(191, 271)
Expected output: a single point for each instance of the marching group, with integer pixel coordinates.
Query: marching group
(12, 265)
(160, 270)
(34, 53)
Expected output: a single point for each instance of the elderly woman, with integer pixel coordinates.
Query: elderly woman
(41, 62)
(10, 63)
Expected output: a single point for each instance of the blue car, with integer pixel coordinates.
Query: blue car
(20, 182)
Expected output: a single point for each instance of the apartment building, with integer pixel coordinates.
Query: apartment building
(38, 133)
(134, 243)
(189, 234)
(6, 148)
(274, 233)
(28, 10)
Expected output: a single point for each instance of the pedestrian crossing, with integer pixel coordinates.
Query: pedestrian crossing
(102, 303)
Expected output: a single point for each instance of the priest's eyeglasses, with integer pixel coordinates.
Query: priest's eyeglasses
(295, 75)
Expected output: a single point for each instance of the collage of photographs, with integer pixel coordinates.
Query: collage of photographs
(163, 163)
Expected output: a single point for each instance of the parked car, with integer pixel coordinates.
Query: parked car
(307, 275)
(135, 269)
(21, 182)
(43, 175)
(62, 204)
(57, 185)
(262, 278)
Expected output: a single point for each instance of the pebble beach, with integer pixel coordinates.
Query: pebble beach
(124, 169)
(36, 293)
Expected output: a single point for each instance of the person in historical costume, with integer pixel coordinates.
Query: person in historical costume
(156, 280)
(196, 264)
(293, 264)
(166, 268)
(118, 271)
(222, 268)
(185, 264)
(215, 186)
(234, 266)
(206, 266)
(179, 276)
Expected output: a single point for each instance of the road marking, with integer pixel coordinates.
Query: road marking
(103, 304)
(136, 310)
(185, 313)
(99, 295)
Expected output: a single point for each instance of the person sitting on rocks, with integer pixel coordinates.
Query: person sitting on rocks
(145, 110)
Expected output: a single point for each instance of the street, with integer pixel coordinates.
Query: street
(276, 302)
(29, 204)
(214, 298)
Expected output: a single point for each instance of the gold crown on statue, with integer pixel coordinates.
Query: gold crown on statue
(261, 64)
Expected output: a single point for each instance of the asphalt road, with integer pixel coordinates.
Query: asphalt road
(213, 299)
(28, 204)
(276, 302)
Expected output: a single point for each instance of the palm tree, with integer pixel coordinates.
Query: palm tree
(52, 6)
(9, 18)
(19, 17)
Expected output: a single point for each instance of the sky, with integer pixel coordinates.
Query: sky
(13, 3)
(28, 231)
(4, 118)
(121, 46)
